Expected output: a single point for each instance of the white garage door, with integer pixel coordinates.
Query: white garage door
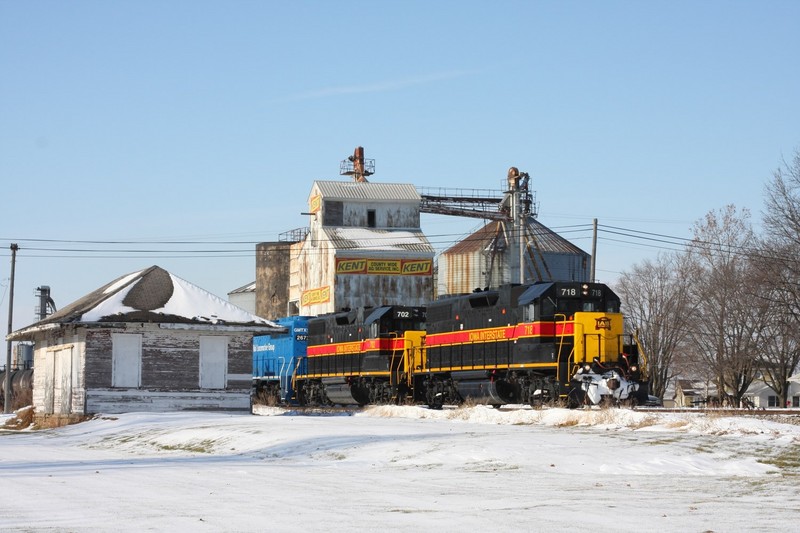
(213, 362)
(126, 360)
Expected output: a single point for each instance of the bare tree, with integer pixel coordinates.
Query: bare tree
(780, 249)
(728, 318)
(778, 262)
(780, 354)
(656, 298)
(782, 215)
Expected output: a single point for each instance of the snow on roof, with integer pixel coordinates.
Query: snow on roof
(151, 295)
(371, 239)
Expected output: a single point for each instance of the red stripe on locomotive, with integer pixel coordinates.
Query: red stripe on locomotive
(508, 333)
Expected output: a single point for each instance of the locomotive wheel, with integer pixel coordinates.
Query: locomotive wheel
(536, 401)
(435, 401)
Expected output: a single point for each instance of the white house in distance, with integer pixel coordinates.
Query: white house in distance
(148, 341)
(689, 393)
(761, 395)
(244, 297)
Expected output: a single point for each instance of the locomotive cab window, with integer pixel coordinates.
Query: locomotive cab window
(529, 313)
(591, 307)
(569, 307)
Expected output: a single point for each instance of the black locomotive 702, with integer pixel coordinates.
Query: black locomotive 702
(548, 343)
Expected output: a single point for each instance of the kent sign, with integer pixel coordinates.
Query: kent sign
(385, 267)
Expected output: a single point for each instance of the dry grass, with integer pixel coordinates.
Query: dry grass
(469, 403)
(676, 424)
(22, 399)
(19, 399)
(572, 421)
(644, 423)
(606, 415)
(263, 397)
(23, 419)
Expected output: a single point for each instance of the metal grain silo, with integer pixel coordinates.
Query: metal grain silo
(482, 259)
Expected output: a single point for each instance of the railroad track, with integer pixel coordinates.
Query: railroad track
(725, 411)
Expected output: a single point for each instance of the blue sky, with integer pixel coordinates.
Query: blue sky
(207, 122)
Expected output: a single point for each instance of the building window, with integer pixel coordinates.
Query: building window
(773, 401)
(371, 218)
(126, 360)
(796, 401)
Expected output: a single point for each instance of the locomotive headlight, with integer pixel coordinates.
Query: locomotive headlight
(585, 289)
(634, 368)
(587, 368)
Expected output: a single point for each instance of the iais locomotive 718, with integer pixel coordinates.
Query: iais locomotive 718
(547, 343)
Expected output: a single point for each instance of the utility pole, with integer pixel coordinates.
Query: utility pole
(594, 251)
(7, 391)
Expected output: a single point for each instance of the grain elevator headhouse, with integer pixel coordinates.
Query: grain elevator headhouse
(364, 247)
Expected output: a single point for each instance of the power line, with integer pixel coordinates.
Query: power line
(173, 248)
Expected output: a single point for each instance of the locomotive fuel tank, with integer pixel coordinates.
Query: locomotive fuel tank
(480, 387)
(340, 392)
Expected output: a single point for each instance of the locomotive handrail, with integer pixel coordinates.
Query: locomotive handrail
(294, 375)
(560, 342)
(281, 377)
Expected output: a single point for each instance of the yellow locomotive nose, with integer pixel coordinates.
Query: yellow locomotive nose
(598, 335)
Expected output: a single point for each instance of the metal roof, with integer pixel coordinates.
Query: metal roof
(250, 287)
(533, 292)
(354, 190)
(377, 240)
(143, 296)
(376, 314)
(477, 241)
(545, 239)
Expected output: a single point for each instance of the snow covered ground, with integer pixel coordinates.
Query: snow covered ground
(404, 469)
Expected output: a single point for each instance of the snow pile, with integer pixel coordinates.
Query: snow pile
(404, 469)
(617, 419)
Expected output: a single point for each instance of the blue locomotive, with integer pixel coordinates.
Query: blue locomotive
(277, 358)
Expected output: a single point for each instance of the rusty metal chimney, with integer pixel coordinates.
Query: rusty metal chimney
(513, 179)
(357, 166)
